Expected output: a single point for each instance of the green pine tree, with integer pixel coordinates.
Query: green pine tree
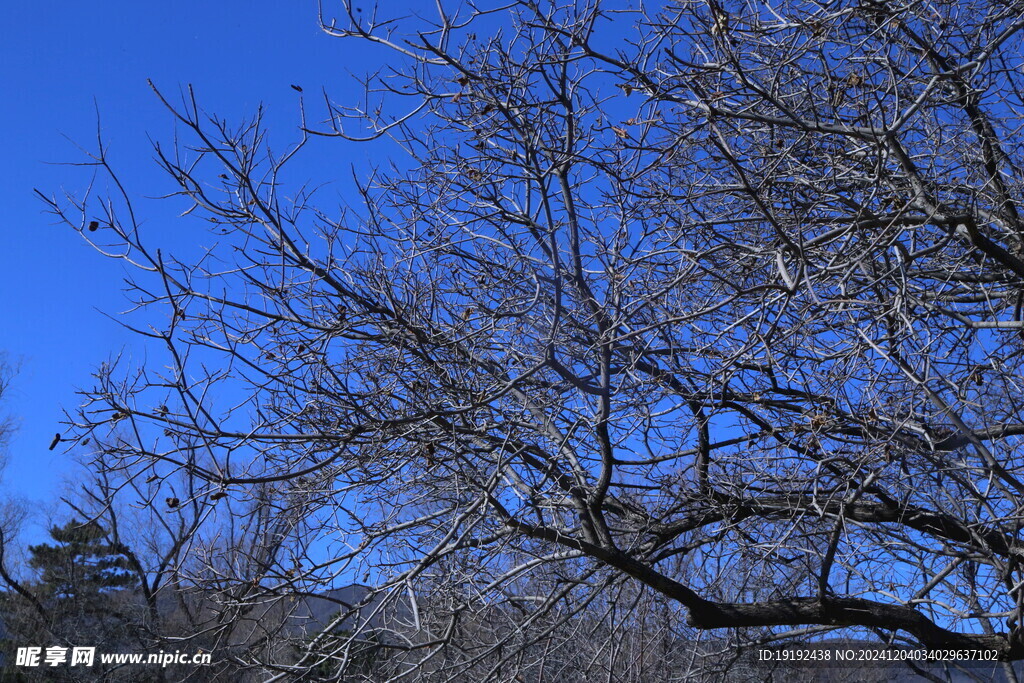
(81, 567)
(83, 596)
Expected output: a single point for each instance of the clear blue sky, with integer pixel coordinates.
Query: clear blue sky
(56, 58)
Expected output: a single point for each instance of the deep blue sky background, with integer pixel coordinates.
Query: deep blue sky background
(56, 60)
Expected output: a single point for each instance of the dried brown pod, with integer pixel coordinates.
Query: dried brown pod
(296, 88)
(94, 226)
(56, 440)
(172, 502)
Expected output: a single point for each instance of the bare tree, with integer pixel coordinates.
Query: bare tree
(704, 309)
